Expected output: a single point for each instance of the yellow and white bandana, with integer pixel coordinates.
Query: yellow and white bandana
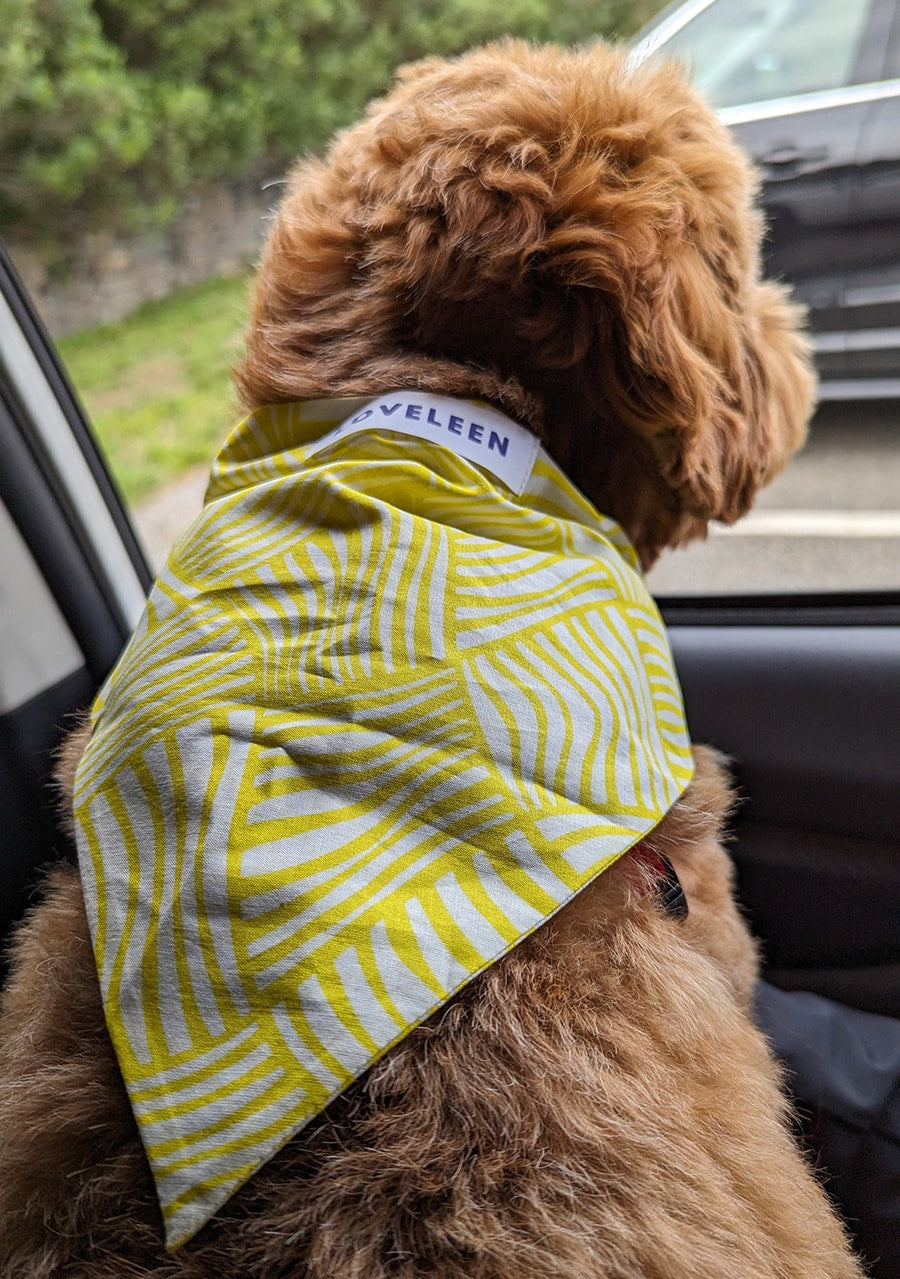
(397, 696)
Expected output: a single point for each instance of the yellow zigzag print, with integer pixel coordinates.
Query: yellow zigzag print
(381, 718)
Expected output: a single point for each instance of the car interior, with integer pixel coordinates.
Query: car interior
(65, 613)
(803, 694)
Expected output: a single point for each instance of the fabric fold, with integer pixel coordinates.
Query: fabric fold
(383, 716)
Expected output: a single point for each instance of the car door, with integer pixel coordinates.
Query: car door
(803, 693)
(72, 584)
(806, 161)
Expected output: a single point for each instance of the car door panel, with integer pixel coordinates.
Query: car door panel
(809, 716)
(31, 837)
(71, 579)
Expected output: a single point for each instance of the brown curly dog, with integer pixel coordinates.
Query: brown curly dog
(574, 241)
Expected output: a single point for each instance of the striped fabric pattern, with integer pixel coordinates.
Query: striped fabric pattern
(381, 718)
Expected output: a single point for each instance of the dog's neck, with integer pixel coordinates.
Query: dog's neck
(612, 465)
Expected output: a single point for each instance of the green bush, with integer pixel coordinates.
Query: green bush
(72, 125)
(110, 109)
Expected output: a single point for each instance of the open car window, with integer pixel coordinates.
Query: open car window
(809, 89)
(72, 584)
(830, 523)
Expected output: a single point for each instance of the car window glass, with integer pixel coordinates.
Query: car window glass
(37, 646)
(156, 383)
(743, 51)
(831, 521)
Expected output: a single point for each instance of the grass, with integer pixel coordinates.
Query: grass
(157, 385)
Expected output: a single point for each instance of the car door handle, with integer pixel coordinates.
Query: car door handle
(781, 157)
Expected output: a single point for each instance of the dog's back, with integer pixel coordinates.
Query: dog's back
(597, 1104)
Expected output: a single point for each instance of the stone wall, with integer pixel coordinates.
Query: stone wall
(106, 275)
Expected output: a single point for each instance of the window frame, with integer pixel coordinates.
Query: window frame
(869, 80)
(57, 488)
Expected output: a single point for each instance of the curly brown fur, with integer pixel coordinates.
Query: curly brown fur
(568, 238)
(68, 755)
(576, 243)
(597, 1104)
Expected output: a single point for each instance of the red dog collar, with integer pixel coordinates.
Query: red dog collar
(667, 885)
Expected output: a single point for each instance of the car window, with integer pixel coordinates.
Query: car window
(829, 166)
(156, 384)
(37, 646)
(830, 522)
(744, 51)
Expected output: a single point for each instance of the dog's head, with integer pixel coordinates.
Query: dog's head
(562, 233)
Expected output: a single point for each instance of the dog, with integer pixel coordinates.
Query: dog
(549, 259)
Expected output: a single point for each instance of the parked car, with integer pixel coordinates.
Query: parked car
(803, 693)
(812, 90)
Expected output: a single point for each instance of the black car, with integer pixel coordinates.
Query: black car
(811, 88)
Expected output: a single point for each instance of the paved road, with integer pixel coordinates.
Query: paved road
(831, 522)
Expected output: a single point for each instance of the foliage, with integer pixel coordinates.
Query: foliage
(112, 108)
(71, 120)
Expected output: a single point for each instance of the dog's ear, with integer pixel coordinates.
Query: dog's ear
(721, 390)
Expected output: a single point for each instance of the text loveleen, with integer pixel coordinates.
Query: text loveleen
(452, 423)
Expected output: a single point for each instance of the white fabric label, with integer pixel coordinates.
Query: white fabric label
(473, 430)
